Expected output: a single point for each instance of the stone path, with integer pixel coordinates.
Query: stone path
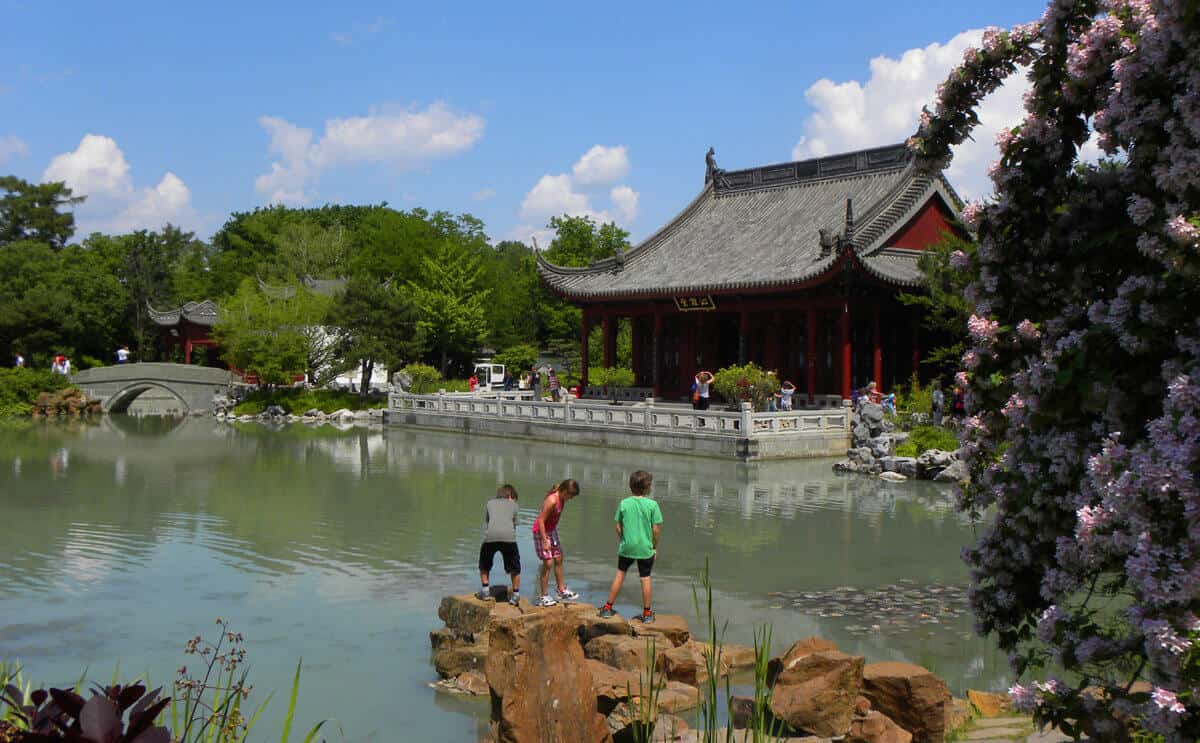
(1008, 730)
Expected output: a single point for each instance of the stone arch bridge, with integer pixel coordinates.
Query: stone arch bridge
(117, 386)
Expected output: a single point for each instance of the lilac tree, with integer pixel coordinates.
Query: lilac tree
(1083, 373)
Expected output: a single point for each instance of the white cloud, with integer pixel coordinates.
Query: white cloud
(345, 38)
(12, 146)
(554, 195)
(572, 194)
(484, 194)
(886, 109)
(98, 170)
(601, 166)
(625, 201)
(402, 138)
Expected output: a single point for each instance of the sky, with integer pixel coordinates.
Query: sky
(513, 112)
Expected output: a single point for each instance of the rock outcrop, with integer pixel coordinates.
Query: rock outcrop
(541, 686)
(912, 696)
(69, 401)
(815, 694)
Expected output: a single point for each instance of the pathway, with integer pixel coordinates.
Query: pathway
(1007, 730)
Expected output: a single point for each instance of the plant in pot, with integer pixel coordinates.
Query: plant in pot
(746, 383)
(611, 378)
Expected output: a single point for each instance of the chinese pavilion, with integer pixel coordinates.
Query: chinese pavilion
(794, 266)
(189, 325)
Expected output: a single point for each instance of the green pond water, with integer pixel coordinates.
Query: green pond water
(125, 537)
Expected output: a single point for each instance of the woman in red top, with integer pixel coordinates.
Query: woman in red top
(546, 544)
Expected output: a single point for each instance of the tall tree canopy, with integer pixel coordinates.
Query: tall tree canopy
(38, 212)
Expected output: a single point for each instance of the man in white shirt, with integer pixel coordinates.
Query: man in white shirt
(123, 355)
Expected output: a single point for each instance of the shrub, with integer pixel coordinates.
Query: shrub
(614, 376)
(296, 401)
(517, 359)
(749, 383)
(923, 438)
(914, 398)
(19, 388)
(424, 378)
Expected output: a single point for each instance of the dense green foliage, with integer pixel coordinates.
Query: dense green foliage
(19, 388)
(943, 306)
(922, 438)
(301, 291)
(518, 359)
(615, 376)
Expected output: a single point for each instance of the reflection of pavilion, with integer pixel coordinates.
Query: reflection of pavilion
(776, 488)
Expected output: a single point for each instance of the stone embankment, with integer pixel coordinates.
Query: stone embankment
(873, 452)
(70, 402)
(276, 414)
(564, 673)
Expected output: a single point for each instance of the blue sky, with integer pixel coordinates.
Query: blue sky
(188, 111)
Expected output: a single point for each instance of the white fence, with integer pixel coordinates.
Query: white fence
(519, 406)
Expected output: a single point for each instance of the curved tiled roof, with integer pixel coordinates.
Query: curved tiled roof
(759, 229)
(200, 313)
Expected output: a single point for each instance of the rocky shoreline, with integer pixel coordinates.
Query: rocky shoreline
(872, 451)
(564, 673)
(276, 414)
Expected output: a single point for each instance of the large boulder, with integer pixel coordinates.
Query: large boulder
(686, 664)
(624, 652)
(933, 461)
(871, 414)
(541, 686)
(456, 660)
(677, 697)
(592, 625)
(815, 694)
(989, 704)
(613, 685)
(798, 650)
(671, 626)
(906, 466)
(876, 727)
(956, 471)
(465, 613)
(912, 696)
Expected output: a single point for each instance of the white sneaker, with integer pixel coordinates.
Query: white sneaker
(546, 601)
(566, 594)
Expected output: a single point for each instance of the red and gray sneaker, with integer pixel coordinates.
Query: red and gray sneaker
(566, 594)
(607, 612)
(547, 601)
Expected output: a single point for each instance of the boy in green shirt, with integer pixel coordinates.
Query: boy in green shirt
(638, 521)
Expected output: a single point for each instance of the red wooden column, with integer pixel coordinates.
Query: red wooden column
(656, 345)
(583, 350)
(810, 353)
(916, 347)
(877, 350)
(187, 350)
(610, 341)
(743, 332)
(846, 355)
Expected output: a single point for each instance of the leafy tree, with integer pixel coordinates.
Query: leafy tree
(579, 241)
(376, 324)
(452, 306)
(263, 333)
(943, 304)
(517, 359)
(510, 273)
(306, 249)
(1083, 370)
(36, 212)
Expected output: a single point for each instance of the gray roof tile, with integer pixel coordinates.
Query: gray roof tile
(758, 228)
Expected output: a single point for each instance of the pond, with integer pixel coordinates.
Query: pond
(127, 536)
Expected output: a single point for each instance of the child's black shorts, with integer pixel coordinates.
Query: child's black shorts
(645, 565)
(508, 550)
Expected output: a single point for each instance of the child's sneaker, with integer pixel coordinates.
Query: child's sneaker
(607, 612)
(566, 594)
(514, 599)
(647, 617)
(546, 601)
(484, 595)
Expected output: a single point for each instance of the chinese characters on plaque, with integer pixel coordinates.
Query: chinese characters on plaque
(693, 304)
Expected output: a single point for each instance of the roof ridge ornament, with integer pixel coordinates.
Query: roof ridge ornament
(711, 172)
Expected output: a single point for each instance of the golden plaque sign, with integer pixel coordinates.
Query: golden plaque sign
(695, 304)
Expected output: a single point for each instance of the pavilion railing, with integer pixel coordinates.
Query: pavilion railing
(520, 406)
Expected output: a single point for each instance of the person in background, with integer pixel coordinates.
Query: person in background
(873, 394)
(123, 355)
(938, 402)
(535, 384)
(638, 521)
(66, 366)
(508, 380)
(703, 383)
(19, 361)
(958, 404)
(786, 391)
(555, 385)
(773, 398)
(472, 382)
(546, 544)
(56, 367)
(500, 535)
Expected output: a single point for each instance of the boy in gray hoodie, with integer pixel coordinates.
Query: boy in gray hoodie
(500, 535)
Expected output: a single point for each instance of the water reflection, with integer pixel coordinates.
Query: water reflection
(337, 544)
